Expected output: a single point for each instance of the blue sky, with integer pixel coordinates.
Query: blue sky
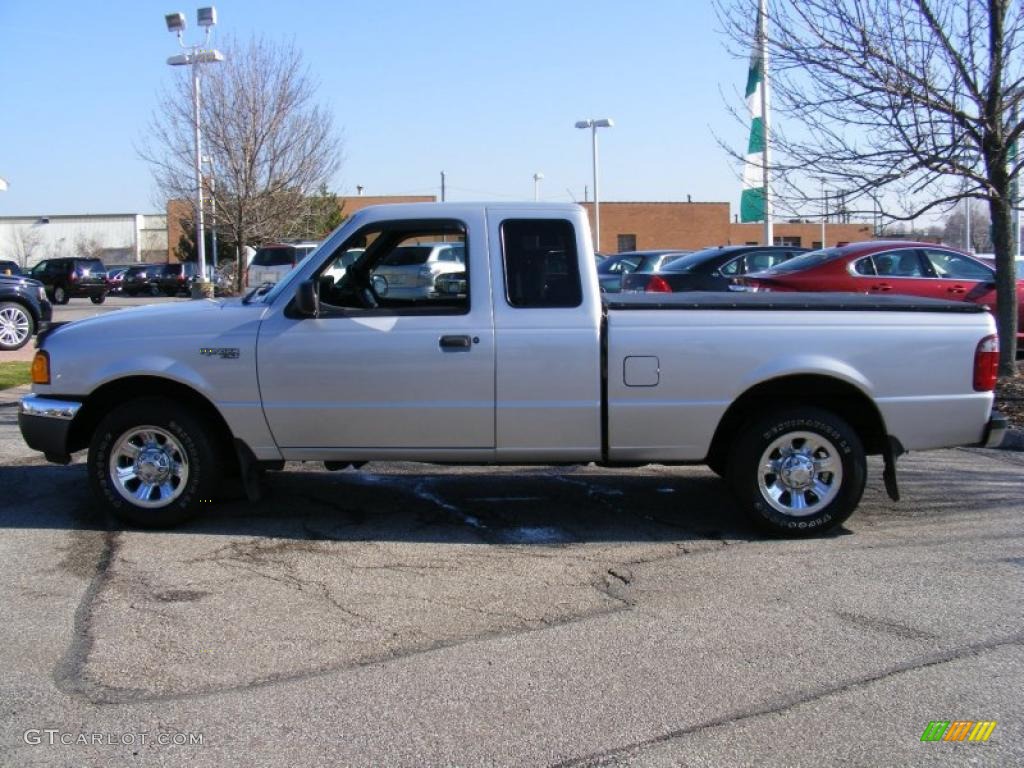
(486, 91)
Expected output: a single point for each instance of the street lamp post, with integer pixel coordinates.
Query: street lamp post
(593, 125)
(538, 177)
(213, 213)
(194, 56)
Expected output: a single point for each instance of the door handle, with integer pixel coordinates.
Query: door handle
(956, 289)
(881, 287)
(456, 342)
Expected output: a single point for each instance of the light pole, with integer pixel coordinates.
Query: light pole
(213, 213)
(538, 177)
(194, 56)
(824, 213)
(593, 125)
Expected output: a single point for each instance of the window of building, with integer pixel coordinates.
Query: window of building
(788, 240)
(541, 263)
(626, 243)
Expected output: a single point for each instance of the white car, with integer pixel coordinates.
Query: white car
(412, 271)
(275, 260)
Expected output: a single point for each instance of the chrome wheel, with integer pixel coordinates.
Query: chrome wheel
(15, 327)
(148, 467)
(800, 473)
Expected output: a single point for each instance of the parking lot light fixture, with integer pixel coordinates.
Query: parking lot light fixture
(593, 124)
(194, 56)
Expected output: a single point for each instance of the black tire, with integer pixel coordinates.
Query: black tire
(98, 298)
(17, 326)
(60, 295)
(186, 442)
(778, 441)
(154, 289)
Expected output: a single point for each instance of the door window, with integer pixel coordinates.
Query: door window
(955, 266)
(388, 269)
(902, 263)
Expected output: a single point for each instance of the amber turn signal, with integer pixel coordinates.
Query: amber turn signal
(41, 368)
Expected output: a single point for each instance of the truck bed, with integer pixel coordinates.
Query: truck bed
(812, 302)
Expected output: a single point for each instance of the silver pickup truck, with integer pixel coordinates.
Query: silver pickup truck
(517, 360)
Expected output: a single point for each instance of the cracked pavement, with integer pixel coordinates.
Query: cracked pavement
(412, 614)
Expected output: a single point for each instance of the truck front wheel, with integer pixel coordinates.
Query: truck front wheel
(798, 472)
(151, 463)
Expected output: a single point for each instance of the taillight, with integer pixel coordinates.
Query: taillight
(658, 285)
(986, 364)
(74, 276)
(181, 278)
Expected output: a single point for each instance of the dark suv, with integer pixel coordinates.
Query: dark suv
(142, 278)
(65, 279)
(23, 306)
(177, 278)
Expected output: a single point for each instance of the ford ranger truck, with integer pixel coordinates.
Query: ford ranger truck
(517, 359)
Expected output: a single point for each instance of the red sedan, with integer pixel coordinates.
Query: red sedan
(889, 267)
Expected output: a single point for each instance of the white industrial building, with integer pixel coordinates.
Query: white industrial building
(116, 238)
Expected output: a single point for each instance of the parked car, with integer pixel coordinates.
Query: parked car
(273, 261)
(784, 396)
(68, 278)
(115, 279)
(411, 271)
(612, 269)
(23, 306)
(9, 268)
(710, 269)
(142, 279)
(177, 277)
(890, 267)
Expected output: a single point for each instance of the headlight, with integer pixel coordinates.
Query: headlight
(41, 292)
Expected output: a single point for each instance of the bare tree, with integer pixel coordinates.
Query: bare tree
(911, 102)
(88, 247)
(955, 230)
(24, 242)
(269, 143)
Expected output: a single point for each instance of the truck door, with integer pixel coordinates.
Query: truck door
(547, 315)
(407, 372)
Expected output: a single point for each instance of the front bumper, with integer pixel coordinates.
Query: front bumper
(45, 424)
(995, 430)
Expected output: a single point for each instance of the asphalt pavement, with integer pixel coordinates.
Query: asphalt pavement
(416, 615)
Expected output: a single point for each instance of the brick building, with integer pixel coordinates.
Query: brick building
(633, 225)
(642, 226)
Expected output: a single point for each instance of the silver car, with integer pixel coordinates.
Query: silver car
(412, 271)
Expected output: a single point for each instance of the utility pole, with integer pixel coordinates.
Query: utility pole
(442, 186)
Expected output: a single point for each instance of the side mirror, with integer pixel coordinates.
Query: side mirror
(307, 300)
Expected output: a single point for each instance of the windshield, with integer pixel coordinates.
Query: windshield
(806, 260)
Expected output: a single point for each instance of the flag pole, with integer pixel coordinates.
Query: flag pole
(762, 40)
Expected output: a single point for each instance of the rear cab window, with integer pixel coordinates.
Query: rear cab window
(541, 264)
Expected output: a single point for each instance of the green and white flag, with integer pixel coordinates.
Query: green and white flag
(752, 202)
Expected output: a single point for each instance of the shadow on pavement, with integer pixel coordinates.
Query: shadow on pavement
(421, 503)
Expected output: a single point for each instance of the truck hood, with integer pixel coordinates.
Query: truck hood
(204, 320)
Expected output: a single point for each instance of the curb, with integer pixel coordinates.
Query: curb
(1013, 440)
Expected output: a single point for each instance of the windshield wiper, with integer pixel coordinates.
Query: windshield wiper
(259, 290)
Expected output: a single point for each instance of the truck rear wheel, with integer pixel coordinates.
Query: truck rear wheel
(151, 463)
(798, 472)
